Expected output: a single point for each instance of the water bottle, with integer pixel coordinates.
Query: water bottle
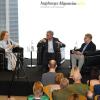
(32, 46)
(76, 46)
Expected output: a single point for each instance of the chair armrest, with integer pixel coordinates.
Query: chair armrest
(92, 53)
(17, 49)
(71, 51)
(2, 50)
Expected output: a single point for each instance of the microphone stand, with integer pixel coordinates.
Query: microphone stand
(32, 49)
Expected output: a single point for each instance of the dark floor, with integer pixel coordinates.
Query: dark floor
(12, 83)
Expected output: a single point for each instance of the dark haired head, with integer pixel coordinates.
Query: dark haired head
(50, 32)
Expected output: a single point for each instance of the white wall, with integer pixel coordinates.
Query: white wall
(69, 23)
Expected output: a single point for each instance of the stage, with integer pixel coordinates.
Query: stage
(10, 84)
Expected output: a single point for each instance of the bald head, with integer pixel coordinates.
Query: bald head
(77, 77)
(52, 64)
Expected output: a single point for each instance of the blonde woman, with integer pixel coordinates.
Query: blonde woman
(38, 92)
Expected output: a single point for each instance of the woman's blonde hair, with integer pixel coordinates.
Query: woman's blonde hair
(64, 83)
(38, 88)
(59, 76)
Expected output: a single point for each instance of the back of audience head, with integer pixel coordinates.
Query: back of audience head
(76, 68)
(77, 77)
(59, 76)
(64, 83)
(52, 64)
(74, 97)
(38, 89)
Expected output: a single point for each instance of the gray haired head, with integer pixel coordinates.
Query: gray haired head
(50, 32)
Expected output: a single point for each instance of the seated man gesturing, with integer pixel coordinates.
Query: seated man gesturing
(87, 46)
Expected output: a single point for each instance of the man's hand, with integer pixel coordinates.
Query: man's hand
(78, 53)
(10, 46)
(59, 43)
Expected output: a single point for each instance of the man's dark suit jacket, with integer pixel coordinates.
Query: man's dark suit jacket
(42, 56)
(90, 47)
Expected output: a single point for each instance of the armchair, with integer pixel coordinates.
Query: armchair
(4, 61)
(2, 58)
(91, 60)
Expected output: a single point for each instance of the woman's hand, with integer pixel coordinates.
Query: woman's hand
(10, 46)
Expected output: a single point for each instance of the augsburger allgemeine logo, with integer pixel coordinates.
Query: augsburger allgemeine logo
(60, 4)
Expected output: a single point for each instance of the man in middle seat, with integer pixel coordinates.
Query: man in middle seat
(51, 49)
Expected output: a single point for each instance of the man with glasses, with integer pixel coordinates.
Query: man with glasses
(87, 46)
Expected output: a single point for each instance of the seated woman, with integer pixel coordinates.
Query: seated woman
(38, 92)
(8, 45)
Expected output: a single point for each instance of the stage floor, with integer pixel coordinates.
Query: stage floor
(11, 84)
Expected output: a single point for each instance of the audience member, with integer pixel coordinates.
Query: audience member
(94, 82)
(50, 88)
(90, 95)
(38, 92)
(64, 83)
(76, 88)
(59, 76)
(49, 77)
(74, 70)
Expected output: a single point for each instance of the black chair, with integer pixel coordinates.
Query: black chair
(4, 61)
(2, 58)
(91, 61)
(19, 51)
(39, 55)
